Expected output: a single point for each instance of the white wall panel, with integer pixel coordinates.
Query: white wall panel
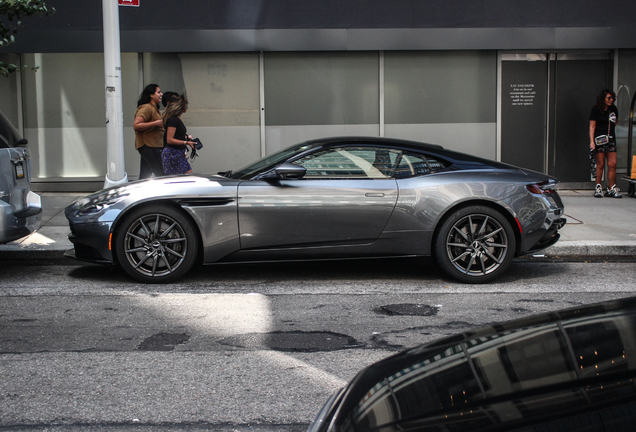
(226, 148)
(279, 137)
(478, 139)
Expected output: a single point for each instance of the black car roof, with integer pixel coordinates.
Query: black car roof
(401, 143)
(464, 160)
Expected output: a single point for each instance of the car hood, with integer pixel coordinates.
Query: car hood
(168, 185)
(106, 204)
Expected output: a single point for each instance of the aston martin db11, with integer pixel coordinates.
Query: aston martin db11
(333, 198)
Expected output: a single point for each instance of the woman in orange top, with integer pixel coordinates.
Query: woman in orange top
(148, 126)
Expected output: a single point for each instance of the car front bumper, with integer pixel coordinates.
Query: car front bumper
(91, 242)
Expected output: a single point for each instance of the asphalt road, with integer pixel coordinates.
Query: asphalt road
(245, 348)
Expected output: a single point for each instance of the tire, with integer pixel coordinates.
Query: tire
(475, 244)
(156, 244)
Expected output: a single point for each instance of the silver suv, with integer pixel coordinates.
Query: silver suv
(20, 209)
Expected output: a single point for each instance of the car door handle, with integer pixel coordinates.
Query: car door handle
(373, 195)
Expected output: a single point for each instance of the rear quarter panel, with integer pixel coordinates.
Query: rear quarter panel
(424, 201)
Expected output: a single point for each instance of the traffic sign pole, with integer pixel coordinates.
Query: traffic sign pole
(116, 172)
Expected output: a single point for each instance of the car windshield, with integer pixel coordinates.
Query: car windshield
(269, 162)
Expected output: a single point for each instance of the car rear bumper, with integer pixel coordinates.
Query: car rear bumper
(540, 218)
(21, 223)
(550, 237)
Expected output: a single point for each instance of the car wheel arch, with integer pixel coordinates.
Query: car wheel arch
(505, 211)
(167, 202)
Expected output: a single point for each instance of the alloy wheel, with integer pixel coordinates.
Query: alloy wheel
(477, 245)
(155, 245)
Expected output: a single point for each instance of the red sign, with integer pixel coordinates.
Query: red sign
(128, 2)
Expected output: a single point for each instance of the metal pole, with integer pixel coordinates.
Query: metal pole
(261, 84)
(629, 137)
(116, 172)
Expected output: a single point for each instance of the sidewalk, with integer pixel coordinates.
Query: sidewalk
(51, 240)
(596, 227)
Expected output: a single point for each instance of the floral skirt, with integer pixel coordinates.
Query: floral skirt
(175, 161)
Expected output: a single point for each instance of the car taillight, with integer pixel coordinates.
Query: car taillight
(541, 188)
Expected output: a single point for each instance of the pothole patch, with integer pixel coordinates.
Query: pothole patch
(163, 342)
(295, 341)
(412, 309)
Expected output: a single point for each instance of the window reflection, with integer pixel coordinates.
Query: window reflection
(350, 162)
(413, 164)
(368, 162)
(576, 369)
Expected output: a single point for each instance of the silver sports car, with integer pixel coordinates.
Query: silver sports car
(333, 198)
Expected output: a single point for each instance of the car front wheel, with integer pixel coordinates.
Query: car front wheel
(156, 244)
(475, 244)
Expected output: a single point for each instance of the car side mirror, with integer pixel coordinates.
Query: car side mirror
(285, 171)
(22, 142)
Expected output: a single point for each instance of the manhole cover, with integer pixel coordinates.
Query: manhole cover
(293, 341)
(409, 309)
(163, 342)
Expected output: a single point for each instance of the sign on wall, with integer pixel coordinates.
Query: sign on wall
(523, 113)
(129, 2)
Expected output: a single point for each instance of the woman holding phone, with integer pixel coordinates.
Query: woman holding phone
(174, 158)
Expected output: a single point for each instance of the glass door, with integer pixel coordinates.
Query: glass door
(545, 102)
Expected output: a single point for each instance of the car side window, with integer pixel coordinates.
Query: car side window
(436, 165)
(350, 163)
(413, 165)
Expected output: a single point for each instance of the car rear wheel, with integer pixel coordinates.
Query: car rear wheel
(475, 244)
(156, 244)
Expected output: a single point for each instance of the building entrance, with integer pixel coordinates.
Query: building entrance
(545, 102)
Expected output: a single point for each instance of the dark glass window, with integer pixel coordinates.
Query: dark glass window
(413, 165)
(448, 388)
(537, 359)
(436, 164)
(350, 163)
(598, 347)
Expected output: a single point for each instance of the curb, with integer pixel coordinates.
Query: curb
(33, 254)
(591, 248)
(566, 249)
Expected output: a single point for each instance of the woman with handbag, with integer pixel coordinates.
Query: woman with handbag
(603, 119)
(175, 160)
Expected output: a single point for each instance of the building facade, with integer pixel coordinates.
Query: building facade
(508, 81)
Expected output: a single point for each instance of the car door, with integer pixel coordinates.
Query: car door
(345, 198)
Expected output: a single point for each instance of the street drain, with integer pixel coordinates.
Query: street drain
(408, 309)
(296, 341)
(163, 342)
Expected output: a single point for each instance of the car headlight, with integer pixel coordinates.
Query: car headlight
(97, 203)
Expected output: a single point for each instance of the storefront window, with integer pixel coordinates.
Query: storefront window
(325, 88)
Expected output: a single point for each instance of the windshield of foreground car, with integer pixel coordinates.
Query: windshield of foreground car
(269, 162)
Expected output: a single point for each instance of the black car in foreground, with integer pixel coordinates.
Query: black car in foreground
(571, 370)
